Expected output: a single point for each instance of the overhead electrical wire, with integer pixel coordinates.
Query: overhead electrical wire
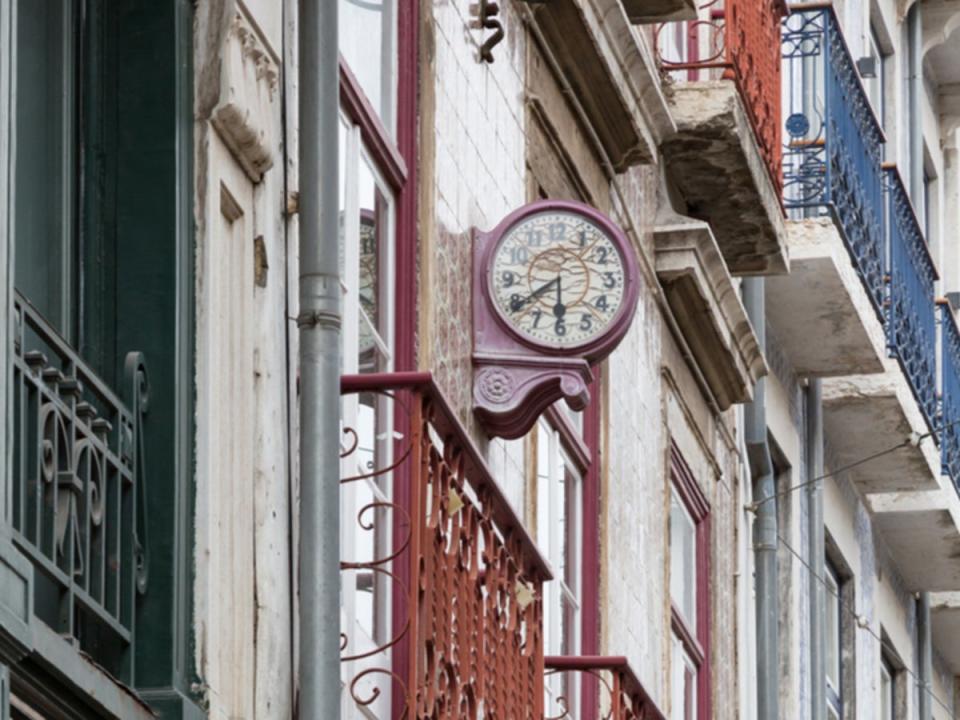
(914, 440)
(863, 623)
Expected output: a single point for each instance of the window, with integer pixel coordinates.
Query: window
(876, 84)
(100, 236)
(368, 36)
(834, 637)
(375, 218)
(560, 538)
(887, 691)
(366, 272)
(688, 527)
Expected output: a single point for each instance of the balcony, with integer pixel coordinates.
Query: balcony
(78, 493)
(911, 313)
(950, 394)
(833, 154)
(620, 696)
(708, 309)
(452, 582)
(722, 78)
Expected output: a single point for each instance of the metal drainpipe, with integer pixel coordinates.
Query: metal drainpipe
(925, 650)
(914, 89)
(319, 323)
(817, 552)
(765, 522)
(915, 128)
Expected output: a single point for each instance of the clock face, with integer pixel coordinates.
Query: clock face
(557, 279)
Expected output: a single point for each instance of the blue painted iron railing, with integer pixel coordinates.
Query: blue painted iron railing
(911, 311)
(833, 152)
(950, 394)
(78, 490)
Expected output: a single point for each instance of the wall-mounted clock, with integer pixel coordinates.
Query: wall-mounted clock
(555, 290)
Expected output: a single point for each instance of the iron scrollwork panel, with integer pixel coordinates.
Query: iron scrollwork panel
(77, 490)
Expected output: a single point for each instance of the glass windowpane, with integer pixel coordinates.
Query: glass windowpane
(367, 44)
(45, 158)
(683, 561)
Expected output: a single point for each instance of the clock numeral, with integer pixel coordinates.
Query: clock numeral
(600, 302)
(537, 314)
(583, 238)
(534, 238)
(558, 230)
(609, 281)
(509, 278)
(560, 327)
(516, 302)
(586, 322)
(600, 255)
(518, 255)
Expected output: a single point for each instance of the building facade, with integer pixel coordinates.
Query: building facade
(755, 515)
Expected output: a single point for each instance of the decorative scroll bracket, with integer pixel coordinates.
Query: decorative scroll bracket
(510, 393)
(487, 12)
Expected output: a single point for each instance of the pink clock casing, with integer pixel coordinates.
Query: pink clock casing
(516, 378)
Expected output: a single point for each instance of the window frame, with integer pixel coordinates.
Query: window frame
(695, 640)
(834, 598)
(392, 154)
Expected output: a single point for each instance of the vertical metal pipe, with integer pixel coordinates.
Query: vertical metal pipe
(817, 552)
(319, 323)
(914, 119)
(925, 651)
(765, 524)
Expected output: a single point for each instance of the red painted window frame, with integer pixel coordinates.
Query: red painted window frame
(396, 157)
(584, 451)
(696, 641)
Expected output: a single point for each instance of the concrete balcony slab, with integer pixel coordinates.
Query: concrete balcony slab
(708, 309)
(864, 415)
(945, 622)
(821, 311)
(715, 162)
(922, 532)
(656, 11)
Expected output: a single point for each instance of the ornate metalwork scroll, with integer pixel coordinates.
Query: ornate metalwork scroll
(78, 495)
(833, 151)
(911, 313)
(950, 395)
(621, 697)
(467, 577)
(741, 40)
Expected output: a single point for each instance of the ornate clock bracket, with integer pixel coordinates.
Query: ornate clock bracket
(510, 393)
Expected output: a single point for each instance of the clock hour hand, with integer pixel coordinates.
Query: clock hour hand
(518, 303)
(559, 309)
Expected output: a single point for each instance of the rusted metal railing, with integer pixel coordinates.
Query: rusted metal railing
(738, 40)
(463, 577)
(622, 696)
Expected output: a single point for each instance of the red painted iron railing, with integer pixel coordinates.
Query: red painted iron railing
(622, 696)
(466, 578)
(740, 39)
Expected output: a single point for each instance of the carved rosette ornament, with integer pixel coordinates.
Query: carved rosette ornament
(555, 290)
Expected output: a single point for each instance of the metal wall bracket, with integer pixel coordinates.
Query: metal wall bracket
(487, 12)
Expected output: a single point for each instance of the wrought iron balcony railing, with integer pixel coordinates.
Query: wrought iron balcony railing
(464, 578)
(911, 312)
(621, 695)
(833, 151)
(78, 490)
(949, 422)
(736, 40)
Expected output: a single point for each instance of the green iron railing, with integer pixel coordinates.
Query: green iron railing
(77, 498)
